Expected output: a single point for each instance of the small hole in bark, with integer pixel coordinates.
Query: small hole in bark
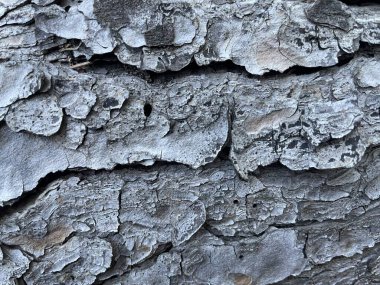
(236, 202)
(147, 109)
(67, 8)
(241, 256)
(254, 206)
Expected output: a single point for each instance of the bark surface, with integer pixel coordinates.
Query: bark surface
(232, 142)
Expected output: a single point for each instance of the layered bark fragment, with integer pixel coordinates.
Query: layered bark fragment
(185, 225)
(168, 35)
(325, 120)
(107, 122)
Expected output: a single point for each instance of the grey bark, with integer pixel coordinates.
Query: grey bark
(189, 142)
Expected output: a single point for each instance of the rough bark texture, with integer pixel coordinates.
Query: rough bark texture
(189, 142)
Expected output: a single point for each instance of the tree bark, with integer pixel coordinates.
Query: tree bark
(189, 142)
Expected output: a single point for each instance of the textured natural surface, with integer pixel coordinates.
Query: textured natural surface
(232, 142)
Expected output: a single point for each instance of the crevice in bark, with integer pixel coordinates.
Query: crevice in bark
(305, 246)
(360, 2)
(30, 197)
(225, 152)
(20, 281)
(111, 62)
(194, 68)
(207, 227)
(138, 166)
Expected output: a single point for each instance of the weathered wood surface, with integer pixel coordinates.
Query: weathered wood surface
(189, 142)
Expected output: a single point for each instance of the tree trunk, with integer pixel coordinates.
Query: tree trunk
(189, 142)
